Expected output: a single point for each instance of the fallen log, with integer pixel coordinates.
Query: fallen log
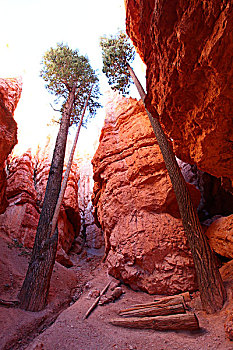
(186, 321)
(92, 307)
(186, 296)
(157, 310)
(169, 300)
(161, 303)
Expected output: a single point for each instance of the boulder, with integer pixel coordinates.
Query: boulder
(220, 236)
(135, 204)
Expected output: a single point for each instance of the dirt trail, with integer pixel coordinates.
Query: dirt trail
(38, 331)
(70, 331)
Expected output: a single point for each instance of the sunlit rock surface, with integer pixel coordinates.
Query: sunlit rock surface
(187, 47)
(220, 235)
(136, 206)
(10, 91)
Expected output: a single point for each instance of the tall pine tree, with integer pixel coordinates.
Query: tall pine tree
(117, 53)
(69, 77)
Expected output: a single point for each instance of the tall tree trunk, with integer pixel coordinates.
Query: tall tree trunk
(67, 172)
(210, 282)
(35, 288)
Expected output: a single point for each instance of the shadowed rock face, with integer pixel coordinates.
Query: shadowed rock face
(136, 207)
(10, 91)
(187, 47)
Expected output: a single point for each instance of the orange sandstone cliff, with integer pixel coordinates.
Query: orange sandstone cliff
(188, 49)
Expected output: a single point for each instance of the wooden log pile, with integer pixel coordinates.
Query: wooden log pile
(168, 313)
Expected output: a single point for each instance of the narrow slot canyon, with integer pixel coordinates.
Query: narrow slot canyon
(123, 259)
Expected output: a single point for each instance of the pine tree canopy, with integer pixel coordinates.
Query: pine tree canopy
(117, 53)
(62, 68)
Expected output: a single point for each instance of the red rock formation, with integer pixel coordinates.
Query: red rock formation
(136, 206)
(220, 235)
(69, 218)
(26, 183)
(20, 219)
(187, 47)
(10, 91)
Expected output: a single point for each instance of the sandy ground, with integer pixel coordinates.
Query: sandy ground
(70, 331)
(60, 327)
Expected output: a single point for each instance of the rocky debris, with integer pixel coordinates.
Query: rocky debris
(136, 207)
(10, 91)
(220, 236)
(187, 47)
(111, 296)
(113, 293)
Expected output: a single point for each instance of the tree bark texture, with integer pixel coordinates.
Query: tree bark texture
(67, 172)
(35, 288)
(210, 283)
(164, 302)
(187, 321)
(156, 310)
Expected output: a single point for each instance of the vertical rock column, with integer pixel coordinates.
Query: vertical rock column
(10, 91)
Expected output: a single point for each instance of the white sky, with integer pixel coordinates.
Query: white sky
(29, 28)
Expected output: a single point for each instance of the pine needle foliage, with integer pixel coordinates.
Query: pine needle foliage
(63, 67)
(117, 53)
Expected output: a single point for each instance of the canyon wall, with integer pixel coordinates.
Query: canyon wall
(27, 176)
(10, 91)
(145, 244)
(23, 179)
(187, 47)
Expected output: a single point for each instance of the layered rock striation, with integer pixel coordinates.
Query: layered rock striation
(10, 91)
(187, 47)
(136, 207)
